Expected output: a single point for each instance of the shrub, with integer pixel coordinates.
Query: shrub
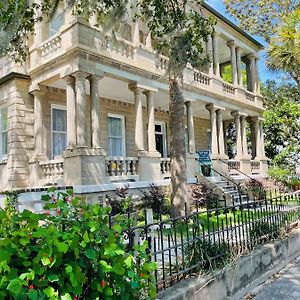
(155, 198)
(257, 187)
(203, 195)
(70, 252)
(122, 203)
(206, 255)
(279, 174)
(263, 231)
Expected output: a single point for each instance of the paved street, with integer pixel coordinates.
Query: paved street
(283, 285)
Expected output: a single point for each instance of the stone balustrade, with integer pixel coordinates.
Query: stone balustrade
(52, 170)
(250, 96)
(165, 166)
(50, 46)
(161, 62)
(122, 166)
(255, 167)
(201, 78)
(234, 166)
(228, 88)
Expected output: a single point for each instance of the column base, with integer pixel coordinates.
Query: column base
(149, 166)
(83, 166)
(191, 166)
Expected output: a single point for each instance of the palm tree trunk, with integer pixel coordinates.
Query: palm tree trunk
(179, 195)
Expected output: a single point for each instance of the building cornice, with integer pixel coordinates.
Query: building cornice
(13, 75)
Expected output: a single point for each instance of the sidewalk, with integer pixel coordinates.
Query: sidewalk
(283, 285)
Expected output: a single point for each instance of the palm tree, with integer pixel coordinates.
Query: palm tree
(284, 50)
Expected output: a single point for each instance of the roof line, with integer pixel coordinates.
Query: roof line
(231, 24)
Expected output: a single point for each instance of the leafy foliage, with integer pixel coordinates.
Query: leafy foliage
(261, 17)
(264, 231)
(206, 255)
(203, 195)
(70, 252)
(282, 124)
(284, 49)
(155, 198)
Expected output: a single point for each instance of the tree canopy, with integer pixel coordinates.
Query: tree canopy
(282, 123)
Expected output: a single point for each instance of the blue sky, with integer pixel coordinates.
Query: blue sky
(263, 72)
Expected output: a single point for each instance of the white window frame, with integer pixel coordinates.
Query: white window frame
(122, 118)
(164, 135)
(61, 107)
(3, 156)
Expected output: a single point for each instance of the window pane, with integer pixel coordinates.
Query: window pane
(158, 128)
(3, 143)
(59, 120)
(56, 22)
(116, 147)
(115, 127)
(3, 118)
(59, 143)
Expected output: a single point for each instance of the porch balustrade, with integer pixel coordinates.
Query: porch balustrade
(165, 166)
(201, 78)
(122, 166)
(52, 169)
(228, 88)
(50, 46)
(255, 167)
(234, 166)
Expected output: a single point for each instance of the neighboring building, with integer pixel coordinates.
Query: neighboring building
(85, 112)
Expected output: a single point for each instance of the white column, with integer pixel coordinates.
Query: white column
(252, 72)
(262, 140)
(231, 45)
(139, 127)
(213, 126)
(237, 120)
(190, 127)
(209, 50)
(244, 136)
(239, 66)
(257, 89)
(95, 98)
(81, 109)
(151, 121)
(256, 137)
(38, 123)
(216, 54)
(71, 112)
(220, 132)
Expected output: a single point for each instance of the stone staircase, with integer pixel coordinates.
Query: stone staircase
(229, 189)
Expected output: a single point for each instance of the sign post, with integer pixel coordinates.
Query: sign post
(205, 163)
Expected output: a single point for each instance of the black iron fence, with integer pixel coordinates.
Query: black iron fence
(204, 239)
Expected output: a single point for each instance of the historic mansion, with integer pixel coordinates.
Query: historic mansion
(89, 112)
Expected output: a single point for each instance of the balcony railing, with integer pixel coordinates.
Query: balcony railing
(228, 88)
(122, 166)
(120, 46)
(161, 62)
(50, 46)
(250, 96)
(52, 170)
(201, 78)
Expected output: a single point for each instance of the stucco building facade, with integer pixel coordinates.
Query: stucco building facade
(87, 111)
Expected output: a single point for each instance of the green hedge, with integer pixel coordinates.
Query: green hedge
(70, 252)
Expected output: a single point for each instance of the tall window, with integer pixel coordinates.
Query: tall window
(160, 138)
(116, 135)
(3, 133)
(57, 20)
(59, 131)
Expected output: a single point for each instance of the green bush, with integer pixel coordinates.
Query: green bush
(70, 252)
(263, 231)
(206, 255)
(279, 174)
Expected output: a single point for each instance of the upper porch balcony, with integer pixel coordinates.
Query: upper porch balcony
(232, 76)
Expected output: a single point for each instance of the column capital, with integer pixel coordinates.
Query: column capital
(252, 56)
(69, 80)
(231, 43)
(95, 78)
(135, 88)
(210, 107)
(148, 92)
(237, 114)
(256, 119)
(80, 75)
